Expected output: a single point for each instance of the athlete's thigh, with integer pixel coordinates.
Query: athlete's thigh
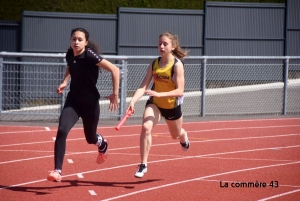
(152, 115)
(90, 118)
(68, 117)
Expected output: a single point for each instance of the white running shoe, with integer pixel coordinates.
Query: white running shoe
(141, 171)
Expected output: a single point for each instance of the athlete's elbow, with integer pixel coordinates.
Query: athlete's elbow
(117, 70)
(180, 93)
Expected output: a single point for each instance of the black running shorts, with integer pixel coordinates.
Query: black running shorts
(169, 114)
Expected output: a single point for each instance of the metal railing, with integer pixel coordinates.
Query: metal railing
(214, 85)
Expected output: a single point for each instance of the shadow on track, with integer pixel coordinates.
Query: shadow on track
(72, 183)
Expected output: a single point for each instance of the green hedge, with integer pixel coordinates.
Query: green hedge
(12, 9)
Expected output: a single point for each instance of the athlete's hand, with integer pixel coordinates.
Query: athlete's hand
(152, 93)
(130, 107)
(60, 88)
(114, 104)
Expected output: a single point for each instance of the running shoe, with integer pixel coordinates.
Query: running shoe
(102, 154)
(186, 145)
(141, 171)
(54, 175)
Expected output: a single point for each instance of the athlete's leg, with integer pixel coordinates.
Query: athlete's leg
(151, 117)
(69, 116)
(176, 130)
(90, 119)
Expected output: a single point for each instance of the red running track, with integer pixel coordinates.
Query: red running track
(256, 159)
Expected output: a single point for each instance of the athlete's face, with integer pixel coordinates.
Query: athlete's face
(165, 45)
(78, 42)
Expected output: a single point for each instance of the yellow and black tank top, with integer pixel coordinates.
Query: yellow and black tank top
(163, 81)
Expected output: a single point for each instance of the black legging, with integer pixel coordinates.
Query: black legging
(70, 114)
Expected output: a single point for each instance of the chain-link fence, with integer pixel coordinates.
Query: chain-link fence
(214, 86)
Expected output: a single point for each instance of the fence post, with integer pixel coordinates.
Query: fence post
(1, 72)
(203, 69)
(64, 94)
(285, 80)
(123, 88)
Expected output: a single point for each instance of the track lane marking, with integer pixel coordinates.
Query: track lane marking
(234, 128)
(204, 139)
(92, 192)
(157, 161)
(280, 195)
(70, 161)
(200, 178)
(218, 181)
(160, 124)
(155, 145)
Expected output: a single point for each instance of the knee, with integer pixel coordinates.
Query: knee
(147, 128)
(61, 133)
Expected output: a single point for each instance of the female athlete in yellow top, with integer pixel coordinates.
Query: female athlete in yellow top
(165, 96)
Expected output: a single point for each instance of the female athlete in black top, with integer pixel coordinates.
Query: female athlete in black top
(83, 63)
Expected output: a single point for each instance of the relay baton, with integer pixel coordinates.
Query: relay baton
(124, 118)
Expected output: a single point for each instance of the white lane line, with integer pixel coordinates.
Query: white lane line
(213, 157)
(70, 161)
(241, 128)
(280, 195)
(159, 161)
(92, 192)
(22, 150)
(199, 178)
(131, 135)
(18, 132)
(166, 144)
(53, 138)
(162, 124)
(47, 128)
(218, 181)
(79, 175)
